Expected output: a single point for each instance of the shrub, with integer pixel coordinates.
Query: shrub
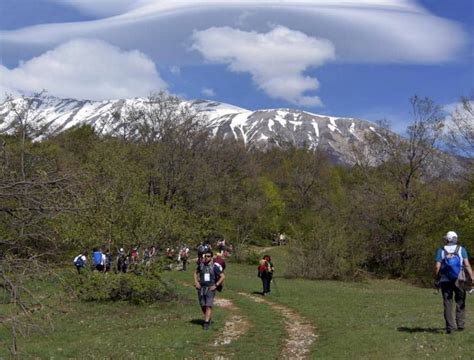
(136, 288)
(324, 251)
(242, 255)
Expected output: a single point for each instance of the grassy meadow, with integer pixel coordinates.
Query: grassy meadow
(367, 320)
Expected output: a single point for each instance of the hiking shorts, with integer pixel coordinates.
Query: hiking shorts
(206, 296)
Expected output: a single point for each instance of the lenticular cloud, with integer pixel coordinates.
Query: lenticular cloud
(276, 59)
(376, 31)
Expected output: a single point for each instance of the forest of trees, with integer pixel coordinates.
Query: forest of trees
(160, 178)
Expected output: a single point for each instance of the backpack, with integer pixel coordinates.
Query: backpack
(183, 253)
(451, 266)
(220, 261)
(79, 261)
(97, 257)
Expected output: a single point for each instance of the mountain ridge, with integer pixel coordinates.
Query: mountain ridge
(262, 128)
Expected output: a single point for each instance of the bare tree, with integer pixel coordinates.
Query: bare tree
(460, 133)
(175, 135)
(394, 189)
(33, 192)
(410, 156)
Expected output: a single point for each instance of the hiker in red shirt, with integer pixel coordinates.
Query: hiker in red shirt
(265, 272)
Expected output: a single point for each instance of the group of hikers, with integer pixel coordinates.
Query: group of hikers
(451, 265)
(102, 259)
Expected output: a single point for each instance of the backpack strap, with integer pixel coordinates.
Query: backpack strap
(456, 251)
(459, 253)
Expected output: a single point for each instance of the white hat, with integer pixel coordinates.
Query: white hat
(451, 237)
(121, 249)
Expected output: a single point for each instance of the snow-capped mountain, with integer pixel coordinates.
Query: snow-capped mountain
(261, 128)
(278, 127)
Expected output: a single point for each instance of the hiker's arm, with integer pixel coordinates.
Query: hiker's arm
(468, 267)
(436, 270)
(220, 281)
(197, 285)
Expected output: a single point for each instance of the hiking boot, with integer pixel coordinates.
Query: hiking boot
(460, 329)
(205, 326)
(448, 331)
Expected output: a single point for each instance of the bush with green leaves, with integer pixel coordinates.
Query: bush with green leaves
(244, 255)
(135, 287)
(324, 250)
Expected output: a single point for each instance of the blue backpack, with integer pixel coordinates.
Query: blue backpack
(80, 261)
(451, 265)
(97, 257)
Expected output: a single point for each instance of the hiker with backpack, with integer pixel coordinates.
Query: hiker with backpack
(183, 256)
(265, 272)
(80, 261)
(122, 261)
(108, 260)
(98, 260)
(451, 262)
(221, 245)
(134, 256)
(207, 278)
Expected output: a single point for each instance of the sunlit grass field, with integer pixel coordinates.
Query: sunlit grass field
(377, 319)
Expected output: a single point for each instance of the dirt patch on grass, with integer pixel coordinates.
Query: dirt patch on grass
(301, 332)
(225, 303)
(236, 326)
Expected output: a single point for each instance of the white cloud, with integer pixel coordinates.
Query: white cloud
(376, 31)
(85, 69)
(208, 92)
(276, 60)
(101, 7)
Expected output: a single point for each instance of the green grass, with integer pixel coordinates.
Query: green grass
(371, 320)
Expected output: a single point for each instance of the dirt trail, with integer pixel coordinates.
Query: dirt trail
(236, 326)
(301, 333)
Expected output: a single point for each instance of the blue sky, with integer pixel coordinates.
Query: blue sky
(342, 58)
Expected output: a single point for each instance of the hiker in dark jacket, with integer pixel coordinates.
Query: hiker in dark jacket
(265, 272)
(122, 261)
(108, 260)
(207, 278)
(450, 263)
